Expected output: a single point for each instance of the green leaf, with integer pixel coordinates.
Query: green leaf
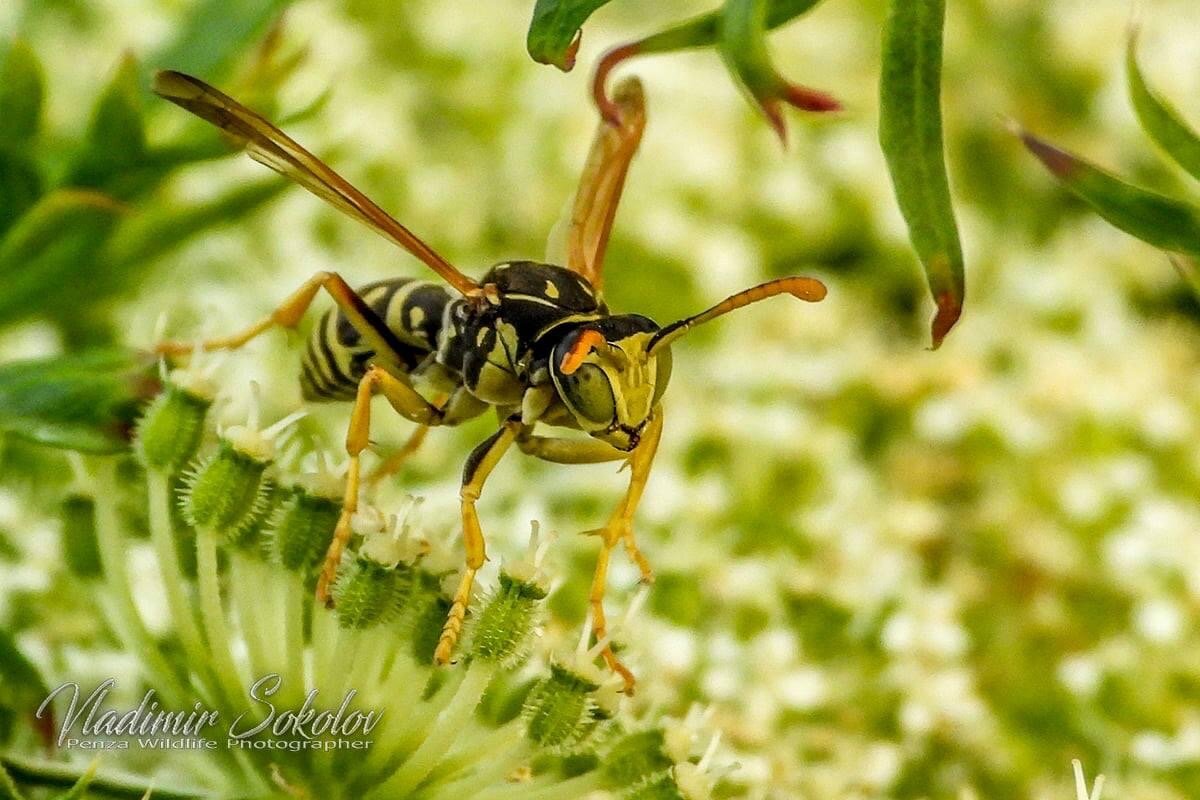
(1159, 119)
(50, 247)
(154, 233)
(22, 688)
(554, 32)
(105, 784)
(79, 790)
(910, 132)
(744, 48)
(20, 186)
(86, 402)
(116, 138)
(8, 788)
(1156, 219)
(705, 30)
(214, 34)
(20, 95)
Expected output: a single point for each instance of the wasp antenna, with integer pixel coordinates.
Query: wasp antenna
(808, 289)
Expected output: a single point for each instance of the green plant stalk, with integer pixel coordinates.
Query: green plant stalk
(212, 615)
(292, 589)
(112, 556)
(501, 761)
(162, 536)
(445, 732)
(570, 789)
(253, 602)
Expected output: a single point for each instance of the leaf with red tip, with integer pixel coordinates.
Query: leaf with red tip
(910, 132)
(744, 48)
(1165, 222)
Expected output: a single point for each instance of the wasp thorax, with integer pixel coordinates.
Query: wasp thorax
(607, 378)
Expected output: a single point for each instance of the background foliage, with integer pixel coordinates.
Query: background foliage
(889, 571)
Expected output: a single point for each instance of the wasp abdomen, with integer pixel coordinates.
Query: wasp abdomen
(336, 358)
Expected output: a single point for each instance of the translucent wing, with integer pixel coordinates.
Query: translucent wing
(270, 146)
(603, 179)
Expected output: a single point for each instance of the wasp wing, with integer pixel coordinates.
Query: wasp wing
(270, 146)
(603, 178)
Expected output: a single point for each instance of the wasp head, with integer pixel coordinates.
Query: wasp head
(608, 379)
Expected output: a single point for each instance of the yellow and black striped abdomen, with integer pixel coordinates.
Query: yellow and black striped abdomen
(335, 357)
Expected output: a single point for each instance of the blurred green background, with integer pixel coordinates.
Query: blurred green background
(891, 572)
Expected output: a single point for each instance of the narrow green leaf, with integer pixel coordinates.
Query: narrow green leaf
(86, 402)
(105, 784)
(20, 185)
(154, 233)
(1156, 219)
(1159, 118)
(555, 30)
(50, 247)
(20, 95)
(8, 787)
(116, 138)
(705, 30)
(21, 686)
(79, 790)
(910, 132)
(744, 48)
(214, 34)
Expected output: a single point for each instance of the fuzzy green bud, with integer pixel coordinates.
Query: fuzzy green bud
(80, 548)
(424, 610)
(226, 492)
(303, 528)
(660, 787)
(169, 433)
(367, 594)
(635, 757)
(558, 709)
(251, 537)
(501, 631)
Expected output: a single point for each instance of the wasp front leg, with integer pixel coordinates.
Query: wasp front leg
(480, 463)
(405, 400)
(619, 529)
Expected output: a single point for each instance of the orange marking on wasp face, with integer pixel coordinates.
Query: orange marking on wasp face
(587, 341)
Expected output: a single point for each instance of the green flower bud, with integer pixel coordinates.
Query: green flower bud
(169, 433)
(558, 710)
(635, 757)
(424, 610)
(501, 631)
(251, 537)
(367, 594)
(302, 528)
(79, 536)
(225, 492)
(660, 787)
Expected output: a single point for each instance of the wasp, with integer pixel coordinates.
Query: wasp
(534, 341)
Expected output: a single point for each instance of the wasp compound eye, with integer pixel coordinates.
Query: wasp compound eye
(588, 391)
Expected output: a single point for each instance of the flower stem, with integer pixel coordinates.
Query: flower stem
(216, 629)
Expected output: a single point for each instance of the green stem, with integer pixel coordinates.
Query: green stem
(570, 789)
(492, 766)
(162, 535)
(293, 633)
(216, 629)
(130, 628)
(445, 731)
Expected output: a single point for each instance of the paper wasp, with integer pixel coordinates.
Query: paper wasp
(535, 341)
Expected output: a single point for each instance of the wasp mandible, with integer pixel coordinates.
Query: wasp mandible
(534, 341)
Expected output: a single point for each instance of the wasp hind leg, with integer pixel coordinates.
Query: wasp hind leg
(480, 463)
(288, 315)
(405, 400)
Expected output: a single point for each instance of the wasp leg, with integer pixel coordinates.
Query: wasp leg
(291, 311)
(405, 400)
(569, 451)
(620, 529)
(480, 463)
(602, 181)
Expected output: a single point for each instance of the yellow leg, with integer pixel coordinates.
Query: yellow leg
(569, 451)
(291, 311)
(620, 529)
(406, 402)
(480, 463)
